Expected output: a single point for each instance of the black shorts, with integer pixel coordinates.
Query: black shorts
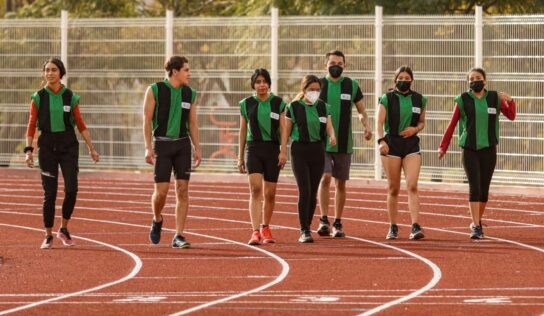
(402, 147)
(262, 157)
(172, 154)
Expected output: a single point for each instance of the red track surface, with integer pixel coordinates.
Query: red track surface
(114, 270)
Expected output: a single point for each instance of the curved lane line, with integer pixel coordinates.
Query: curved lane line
(137, 266)
(278, 279)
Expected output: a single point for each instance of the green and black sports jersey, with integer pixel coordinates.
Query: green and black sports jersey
(403, 110)
(309, 121)
(172, 107)
(340, 96)
(262, 117)
(479, 120)
(55, 110)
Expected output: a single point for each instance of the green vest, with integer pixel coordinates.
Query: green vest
(479, 121)
(403, 110)
(172, 107)
(262, 117)
(340, 96)
(309, 121)
(55, 111)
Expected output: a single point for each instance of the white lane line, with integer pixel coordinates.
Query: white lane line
(358, 208)
(108, 191)
(437, 275)
(132, 274)
(278, 279)
(440, 194)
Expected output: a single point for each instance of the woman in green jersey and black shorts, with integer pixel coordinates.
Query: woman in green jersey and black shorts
(261, 122)
(402, 115)
(308, 123)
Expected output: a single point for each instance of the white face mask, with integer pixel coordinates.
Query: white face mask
(312, 96)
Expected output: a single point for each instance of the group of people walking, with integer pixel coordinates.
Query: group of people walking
(319, 123)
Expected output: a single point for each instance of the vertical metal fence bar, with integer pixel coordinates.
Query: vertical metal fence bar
(478, 37)
(169, 30)
(274, 27)
(64, 41)
(378, 27)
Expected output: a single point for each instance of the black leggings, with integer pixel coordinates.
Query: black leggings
(58, 149)
(479, 166)
(308, 161)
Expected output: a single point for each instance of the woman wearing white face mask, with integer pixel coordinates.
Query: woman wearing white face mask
(308, 123)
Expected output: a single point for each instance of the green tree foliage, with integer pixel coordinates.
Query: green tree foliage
(79, 8)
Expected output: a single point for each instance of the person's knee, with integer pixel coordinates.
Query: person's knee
(411, 188)
(256, 191)
(160, 195)
(394, 190)
(341, 185)
(326, 180)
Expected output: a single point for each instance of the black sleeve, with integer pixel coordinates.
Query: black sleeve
(358, 95)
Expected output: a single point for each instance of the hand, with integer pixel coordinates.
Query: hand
(150, 156)
(368, 133)
(94, 155)
(505, 96)
(282, 159)
(384, 148)
(197, 156)
(409, 131)
(332, 140)
(241, 166)
(29, 159)
(441, 154)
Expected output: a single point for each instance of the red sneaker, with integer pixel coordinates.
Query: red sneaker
(255, 238)
(267, 235)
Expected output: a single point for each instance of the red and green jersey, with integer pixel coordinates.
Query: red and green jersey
(479, 120)
(55, 110)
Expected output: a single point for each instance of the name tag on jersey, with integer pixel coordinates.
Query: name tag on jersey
(345, 96)
(416, 110)
(274, 116)
(66, 108)
(185, 105)
(491, 110)
(323, 119)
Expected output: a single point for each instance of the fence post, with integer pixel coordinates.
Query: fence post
(378, 26)
(64, 42)
(478, 37)
(169, 28)
(274, 26)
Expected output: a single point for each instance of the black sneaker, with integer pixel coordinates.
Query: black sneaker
(417, 232)
(337, 230)
(306, 237)
(180, 242)
(47, 242)
(481, 227)
(324, 227)
(155, 232)
(393, 232)
(477, 232)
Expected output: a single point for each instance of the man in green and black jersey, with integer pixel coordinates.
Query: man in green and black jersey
(341, 93)
(170, 114)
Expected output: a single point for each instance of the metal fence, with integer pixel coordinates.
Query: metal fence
(111, 62)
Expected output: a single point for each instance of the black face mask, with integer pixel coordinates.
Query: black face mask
(404, 85)
(335, 71)
(477, 86)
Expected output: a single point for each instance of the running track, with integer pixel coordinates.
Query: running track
(113, 270)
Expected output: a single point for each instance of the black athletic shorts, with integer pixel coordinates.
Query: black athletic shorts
(402, 147)
(172, 154)
(262, 157)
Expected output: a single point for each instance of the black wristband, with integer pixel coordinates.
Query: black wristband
(380, 140)
(28, 148)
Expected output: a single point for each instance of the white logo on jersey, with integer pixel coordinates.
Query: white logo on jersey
(185, 105)
(416, 110)
(274, 116)
(345, 96)
(323, 119)
(491, 110)
(66, 108)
